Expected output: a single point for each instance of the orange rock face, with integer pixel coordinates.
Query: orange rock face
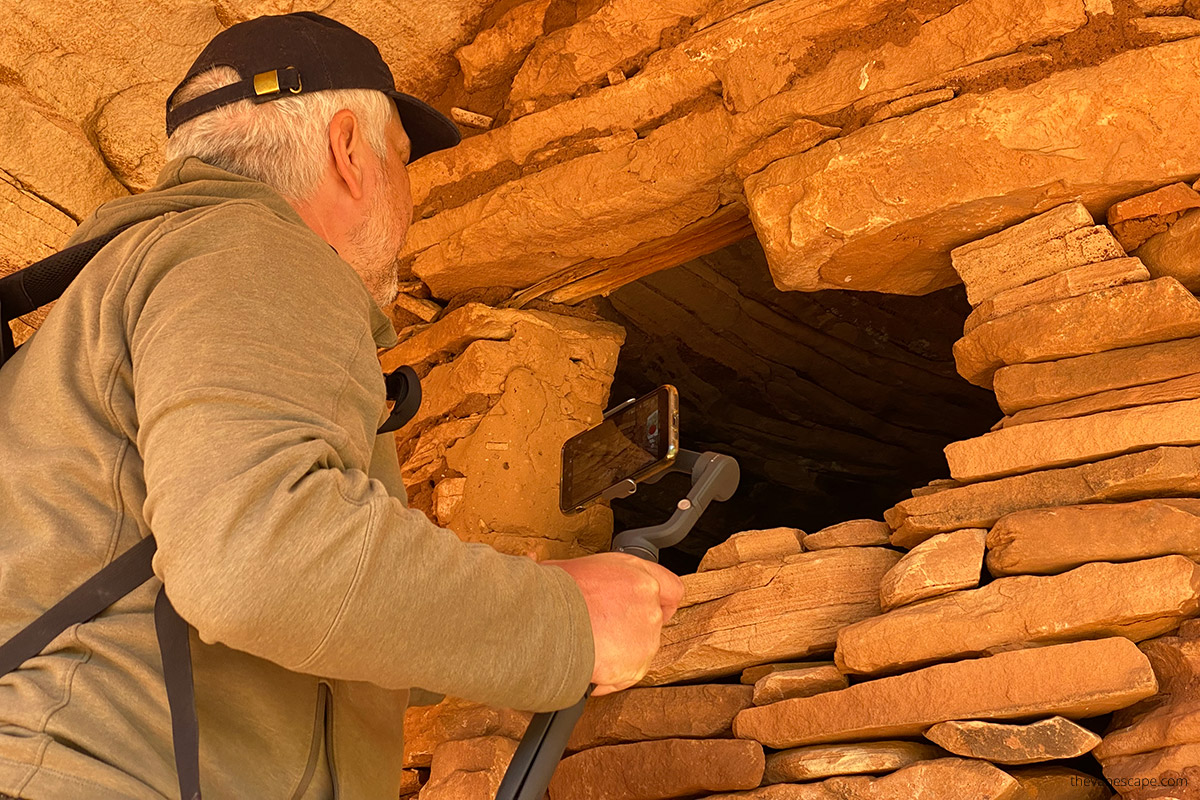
(1137, 219)
(945, 563)
(772, 544)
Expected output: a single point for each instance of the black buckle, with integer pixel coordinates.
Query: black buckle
(404, 389)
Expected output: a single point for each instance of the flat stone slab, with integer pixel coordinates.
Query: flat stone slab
(770, 544)
(701, 587)
(1024, 386)
(1052, 540)
(942, 564)
(427, 727)
(1060, 286)
(705, 711)
(1039, 247)
(1162, 471)
(1172, 391)
(1001, 743)
(827, 760)
(1135, 220)
(1076, 680)
(1064, 442)
(1138, 600)
(855, 533)
(804, 682)
(811, 598)
(752, 675)
(926, 780)
(659, 770)
(1135, 314)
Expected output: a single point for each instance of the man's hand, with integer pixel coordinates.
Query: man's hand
(628, 600)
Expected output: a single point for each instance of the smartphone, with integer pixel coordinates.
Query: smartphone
(636, 441)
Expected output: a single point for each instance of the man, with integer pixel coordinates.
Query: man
(211, 379)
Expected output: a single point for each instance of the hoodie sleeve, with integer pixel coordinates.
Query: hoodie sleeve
(258, 393)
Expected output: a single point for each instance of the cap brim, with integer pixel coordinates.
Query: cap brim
(428, 129)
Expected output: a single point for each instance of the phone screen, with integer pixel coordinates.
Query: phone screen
(630, 443)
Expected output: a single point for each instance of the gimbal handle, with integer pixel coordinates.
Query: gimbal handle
(714, 477)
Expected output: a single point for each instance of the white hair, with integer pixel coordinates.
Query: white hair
(283, 143)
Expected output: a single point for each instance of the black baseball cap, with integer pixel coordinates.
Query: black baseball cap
(278, 56)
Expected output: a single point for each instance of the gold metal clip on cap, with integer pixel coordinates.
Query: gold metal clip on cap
(266, 83)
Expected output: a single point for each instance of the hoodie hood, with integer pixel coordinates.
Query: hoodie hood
(189, 183)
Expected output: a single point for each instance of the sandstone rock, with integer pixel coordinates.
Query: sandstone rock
(924, 780)
(1037, 248)
(1110, 319)
(598, 205)
(497, 52)
(1137, 219)
(502, 377)
(1171, 718)
(752, 675)
(1045, 740)
(1046, 541)
(1060, 286)
(619, 33)
(1077, 680)
(1052, 782)
(912, 64)
(50, 158)
(453, 719)
(1062, 442)
(1167, 774)
(1185, 388)
(1138, 600)
(770, 544)
(30, 228)
(411, 782)
(803, 682)
(702, 587)
(1163, 471)
(1172, 253)
(912, 104)
(1028, 385)
(856, 533)
(801, 135)
(658, 770)
(824, 761)
(468, 768)
(796, 615)
(1166, 29)
(669, 712)
(942, 564)
(843, 215)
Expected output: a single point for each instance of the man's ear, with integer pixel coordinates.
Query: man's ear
(346, 145)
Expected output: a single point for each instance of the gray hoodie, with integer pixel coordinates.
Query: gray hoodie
(211, 378)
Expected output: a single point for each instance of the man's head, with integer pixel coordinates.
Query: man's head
(307, 106)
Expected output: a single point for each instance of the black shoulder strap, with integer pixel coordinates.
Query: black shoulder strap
(32, 287)
(120, 577)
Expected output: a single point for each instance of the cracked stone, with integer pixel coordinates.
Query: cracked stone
(941, 564)
(1044, 740)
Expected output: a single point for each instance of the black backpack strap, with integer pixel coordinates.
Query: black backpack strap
(34, 286)
(120, 577)
(181, 698)
(124, 574)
